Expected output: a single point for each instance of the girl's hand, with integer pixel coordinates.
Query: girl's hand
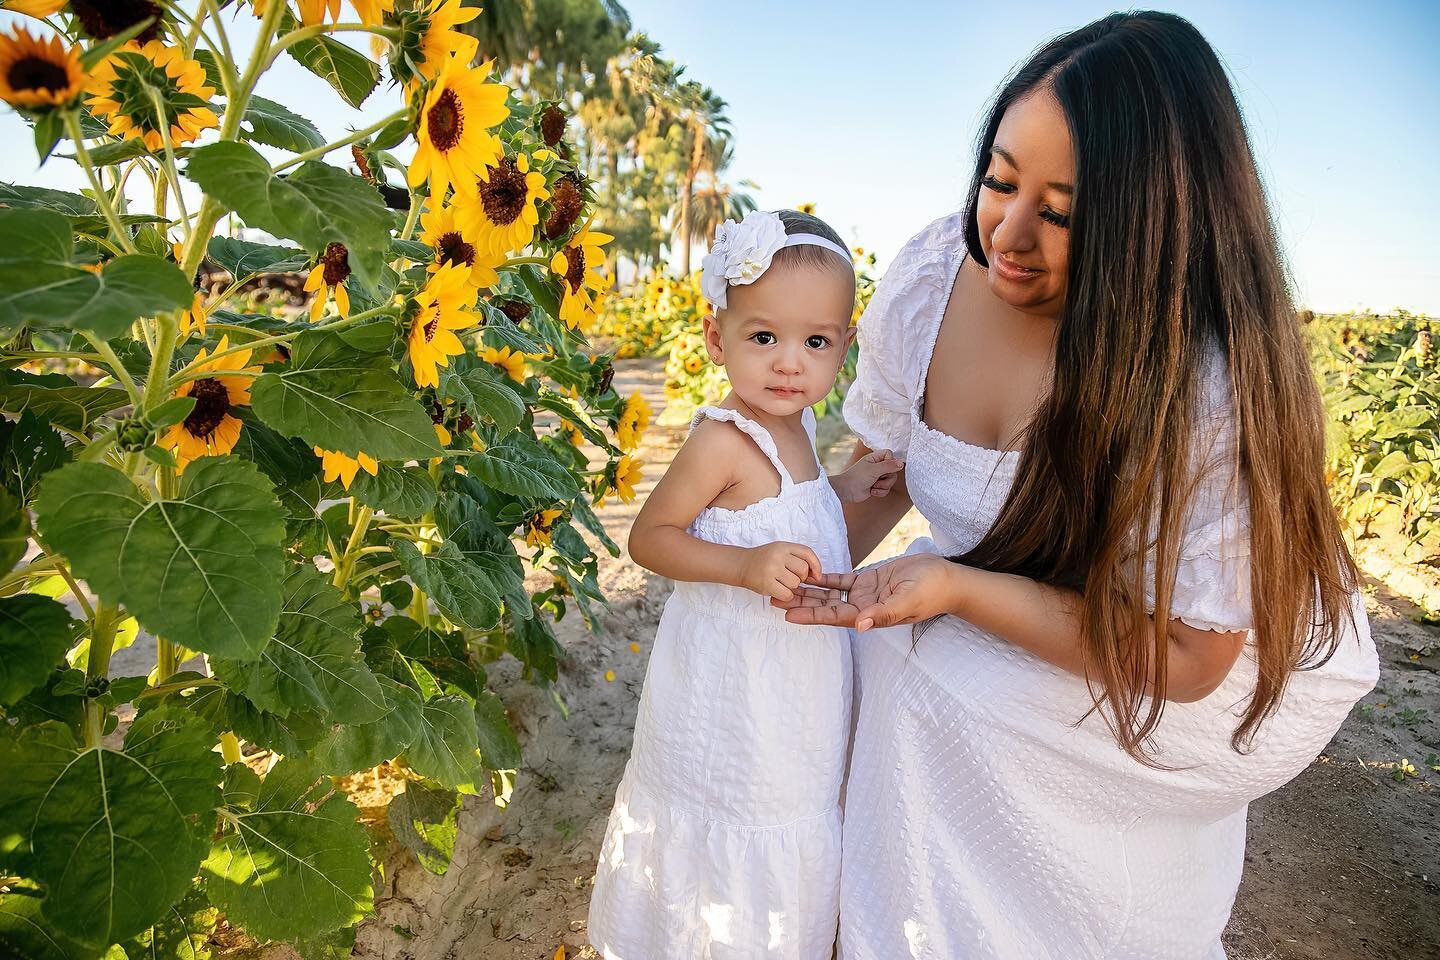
(871, 476)
(904, 590)
(777, 569)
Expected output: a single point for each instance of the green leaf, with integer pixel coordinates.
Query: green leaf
(275, 125)
(352, 747)
(407, 493)
(314, 661)
(582, 511)
(423, 818)
(543, 287)
(204, 569)
(182, 934)
(297, 863)
(241, 258)
(117, 151)
(533, 643)
(461, 589)
(338, 399)
(114, 836)
(499, 747)
(314, 206)
(465, 523)
(523, 468)
(1393, 464)
(171, 411)
(14, 532)
(73, 408)
(351, 73)
(42, 287)
(445, 747)
(22, 197)
(493, 396)
(35, 632)
(25, 934)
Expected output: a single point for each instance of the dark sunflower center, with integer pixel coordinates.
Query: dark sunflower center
(446, 120)
(337, 264)
(212, 403)
(105, 18)
(575, 267)
(504, 196)
(452, 248)
(565, 207)
(34, 73)
(428, 329)
(552, 125)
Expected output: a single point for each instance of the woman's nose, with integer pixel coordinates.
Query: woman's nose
(1016, 232)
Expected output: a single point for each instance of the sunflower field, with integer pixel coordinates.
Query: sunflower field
(333, 510)
(661, 316)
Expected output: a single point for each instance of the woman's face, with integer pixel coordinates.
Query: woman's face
(1024, 207)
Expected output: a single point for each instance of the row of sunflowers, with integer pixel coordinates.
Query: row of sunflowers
(332, 510)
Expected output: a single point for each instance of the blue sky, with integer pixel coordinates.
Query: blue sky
(870, 111)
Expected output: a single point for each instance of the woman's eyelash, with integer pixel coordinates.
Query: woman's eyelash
(1049, 216)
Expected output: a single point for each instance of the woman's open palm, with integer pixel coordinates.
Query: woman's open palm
(904, 590)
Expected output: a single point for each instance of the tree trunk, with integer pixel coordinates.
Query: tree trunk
(697, 156)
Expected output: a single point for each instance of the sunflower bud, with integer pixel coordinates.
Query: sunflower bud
(552, 124)
(133, 434)
(103, 19)
(565, 206)
(607, 374)
(513, 308)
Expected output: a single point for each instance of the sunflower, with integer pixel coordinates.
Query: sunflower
(330, 273)
(103, 19)
(340, 467)
(122, 84)
(581, 266)
(622, 481)
(511, 361)
(539, 527)
(693, 363)
(372, 12)
(440, 229)
(211, 429)
(429, 40)
(455, 142)
(634, 420)
(38, 71)
(195, 317)
(576, 437)
(504, 219)
(440, 308)
(33, 8)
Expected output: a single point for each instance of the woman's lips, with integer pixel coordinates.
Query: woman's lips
(1011, 270)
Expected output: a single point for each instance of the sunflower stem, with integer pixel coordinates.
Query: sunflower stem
(97, 667)
(416, 201)
(102, 198)
(161, 689)
(357, 535)
(525, 261)
(107, 354)
(336, 145)
(172, 175)
(188, 372)
(157, 380)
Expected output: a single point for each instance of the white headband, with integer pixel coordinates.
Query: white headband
(742, 252)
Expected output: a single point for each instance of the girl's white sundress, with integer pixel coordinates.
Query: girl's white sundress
(724, 840)
(979, 823)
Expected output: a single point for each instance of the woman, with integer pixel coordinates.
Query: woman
(1099, 353)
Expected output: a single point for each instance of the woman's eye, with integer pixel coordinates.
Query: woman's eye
(1059, 219)
(999, 186)
(824, 342)
(766, 342)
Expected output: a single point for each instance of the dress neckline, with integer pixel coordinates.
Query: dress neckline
(1006, 457)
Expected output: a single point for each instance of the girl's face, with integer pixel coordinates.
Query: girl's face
(1024, 207)
(782, 338)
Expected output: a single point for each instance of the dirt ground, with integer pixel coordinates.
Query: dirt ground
(1342, 863)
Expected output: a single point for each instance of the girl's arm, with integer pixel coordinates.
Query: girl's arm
(870, 521)
(704, 466)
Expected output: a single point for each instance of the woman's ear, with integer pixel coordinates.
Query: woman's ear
(710, 329)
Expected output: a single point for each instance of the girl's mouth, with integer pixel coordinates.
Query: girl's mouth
(1011, 270)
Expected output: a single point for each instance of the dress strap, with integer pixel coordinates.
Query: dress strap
(758, 433)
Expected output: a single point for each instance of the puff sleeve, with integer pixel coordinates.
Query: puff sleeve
(895, 333)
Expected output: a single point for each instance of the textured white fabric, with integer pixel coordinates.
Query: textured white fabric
(981, 821)
(724, 840)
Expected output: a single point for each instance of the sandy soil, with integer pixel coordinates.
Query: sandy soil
(1342, 863)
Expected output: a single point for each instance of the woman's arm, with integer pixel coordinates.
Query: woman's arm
(869, 521)
(1042, 619)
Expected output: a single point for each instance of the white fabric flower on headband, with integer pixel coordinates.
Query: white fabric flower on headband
(741, 253)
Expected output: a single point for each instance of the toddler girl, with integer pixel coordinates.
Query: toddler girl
(724, 841)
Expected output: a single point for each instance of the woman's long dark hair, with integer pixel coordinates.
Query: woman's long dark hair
(1171, 244)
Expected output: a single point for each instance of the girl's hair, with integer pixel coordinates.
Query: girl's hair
(1171, 245)
(808, 255)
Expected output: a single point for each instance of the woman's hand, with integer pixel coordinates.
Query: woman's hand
(904, 590)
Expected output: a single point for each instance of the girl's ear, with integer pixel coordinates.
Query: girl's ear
(850, 334)
(710, 329)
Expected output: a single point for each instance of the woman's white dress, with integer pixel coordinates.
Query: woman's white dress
(979, 823)
(724, 840)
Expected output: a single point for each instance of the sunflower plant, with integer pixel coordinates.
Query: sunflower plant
(325, 510)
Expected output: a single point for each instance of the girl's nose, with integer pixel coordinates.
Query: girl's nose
(787, 363)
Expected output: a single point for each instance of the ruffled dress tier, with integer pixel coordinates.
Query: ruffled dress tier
(724, 839)
(984, 819)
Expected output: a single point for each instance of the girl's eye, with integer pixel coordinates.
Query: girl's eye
(1061, 220)
(999, 186)
(764, 343)
(824, 342)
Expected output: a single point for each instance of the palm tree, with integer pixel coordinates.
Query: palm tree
(700, 121)
(714, 200)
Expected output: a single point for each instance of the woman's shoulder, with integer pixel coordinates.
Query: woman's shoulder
(939, 238)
